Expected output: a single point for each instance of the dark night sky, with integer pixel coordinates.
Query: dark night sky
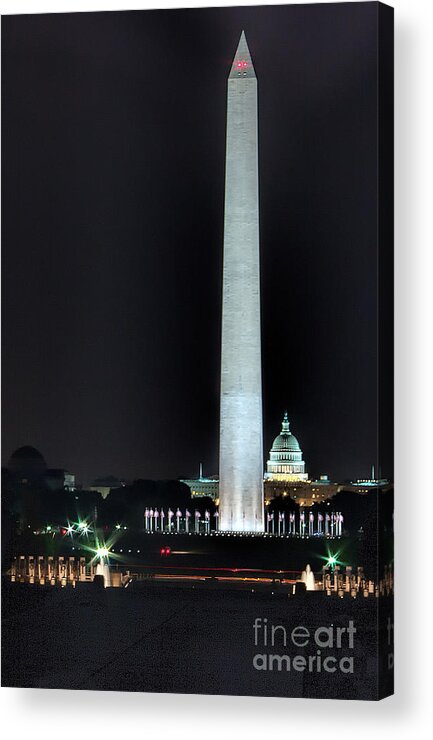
(113, 185)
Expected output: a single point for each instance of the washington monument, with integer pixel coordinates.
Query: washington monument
(241, 436)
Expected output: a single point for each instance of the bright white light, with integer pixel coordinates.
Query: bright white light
(102, 552)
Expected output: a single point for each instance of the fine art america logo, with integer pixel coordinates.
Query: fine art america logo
(315, 644)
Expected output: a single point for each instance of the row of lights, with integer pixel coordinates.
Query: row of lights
(237, 534)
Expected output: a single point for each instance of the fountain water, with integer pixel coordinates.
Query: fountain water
(307, 577)
(102, 569)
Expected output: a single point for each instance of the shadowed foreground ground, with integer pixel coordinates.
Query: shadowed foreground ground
(171, 639)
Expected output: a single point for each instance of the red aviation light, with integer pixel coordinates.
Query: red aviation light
(241, 64)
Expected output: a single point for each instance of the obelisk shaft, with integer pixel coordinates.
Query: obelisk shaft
(241, 442)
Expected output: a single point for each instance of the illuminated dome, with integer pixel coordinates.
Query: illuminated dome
(285, 458)
(286, 441)
(27, 463)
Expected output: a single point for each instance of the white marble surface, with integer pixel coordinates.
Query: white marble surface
(241, 436)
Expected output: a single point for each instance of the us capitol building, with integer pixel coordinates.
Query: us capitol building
(285, 458)
(285, 475)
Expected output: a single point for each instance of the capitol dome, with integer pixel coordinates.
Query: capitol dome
(285, 458)
(286, 440)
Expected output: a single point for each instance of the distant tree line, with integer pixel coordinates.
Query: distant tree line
(31, 507)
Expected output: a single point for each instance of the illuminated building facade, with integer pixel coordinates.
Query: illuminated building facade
(285, 475)
(285, 458)
(304, 493)
(285, 472)
(241, 425)
(203, 486)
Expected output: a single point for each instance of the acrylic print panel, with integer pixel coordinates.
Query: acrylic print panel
(197, 342)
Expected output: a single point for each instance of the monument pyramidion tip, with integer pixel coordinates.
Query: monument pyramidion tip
(242, 66)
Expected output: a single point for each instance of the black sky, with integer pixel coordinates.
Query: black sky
(113, 185)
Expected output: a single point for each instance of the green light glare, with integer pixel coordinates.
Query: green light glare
(95, 543)
(332, 558)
